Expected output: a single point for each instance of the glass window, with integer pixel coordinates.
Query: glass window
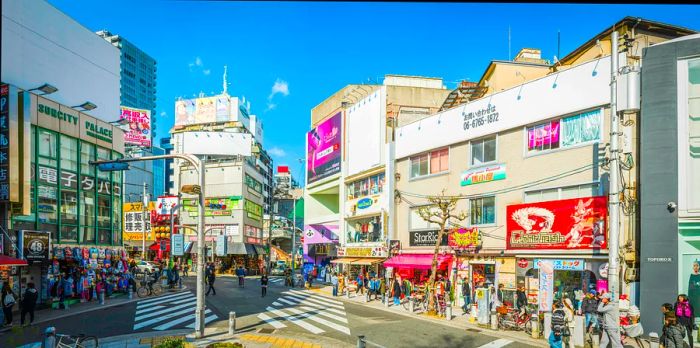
(117, 213)
(69, 234)
(439, 161)
(581, 128)
(69, 154)
(69, 207)
(483, 210)
(87, 153)
(416, 222)
(483, 151)
(87, 234)
(103, 154)
(691, 156)
(104, 236)
(117, 237)
(419, 165)
(365, 230)
(104, 211)
(87, 208)
(48, 203)
(543, 137)
(47, 148)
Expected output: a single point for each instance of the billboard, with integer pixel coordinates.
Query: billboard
(139, 131)
(578, 223)
(217, 143)
(204, 110)
(323, 149)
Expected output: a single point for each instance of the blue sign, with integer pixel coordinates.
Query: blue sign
(566, 265)
(178, 244)
(221, 245)
(364, 203)
(113, 166)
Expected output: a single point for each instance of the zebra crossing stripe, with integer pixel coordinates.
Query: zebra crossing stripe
(206, 321)
(295, 320)
(150, 309)
(323, 313)
(497, 343)
(192, 303)
(301, 297)
(159, 319)
(178, 321)
(293, 302)
(276, 324)
(322, 300)
(315, 318)
(316, 296)
(161, 298)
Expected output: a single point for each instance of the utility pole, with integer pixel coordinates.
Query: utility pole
(143, 221)
(271, 216)
(614, 198)
(294, 232)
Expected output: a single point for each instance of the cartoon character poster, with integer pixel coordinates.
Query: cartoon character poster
(323, 149)
(546, 283)
(578, 223)
(139, 120)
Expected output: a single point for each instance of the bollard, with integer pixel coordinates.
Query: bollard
(361, 341)
(653, 340)
(231, 323)
(595, 337)
(412, 306)
(448, 311)
(386, 300)
(102, 297)
(535, 320)
(131, 292)
(49, 338)
(494, 321)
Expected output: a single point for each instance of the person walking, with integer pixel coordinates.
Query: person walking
(521, 300)
(589, 307)
(558, 326)
(466, 294)
(29, 303)
(240, 273)
(382, 288)
(7, 299)
(263, 284)
(211, 278)
(341, 284)
(610, 323)
(672, 334)
(685, 315)
(570, 311)
(185, 269)
(396, 291)
(334, 283)
(360, 284)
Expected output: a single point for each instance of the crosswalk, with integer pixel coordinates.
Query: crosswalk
(310, 312)
(276, 280)
(168, 312)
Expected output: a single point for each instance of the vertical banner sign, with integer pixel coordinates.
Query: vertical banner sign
(323, 149)
(178, 244)
(546, 291)
(139, 121)
(35, 245)
(221, 245)
(4, 143)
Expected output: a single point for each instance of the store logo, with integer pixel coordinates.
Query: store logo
(49, 111)
(98, 132)
(522, 263)
(364, 203)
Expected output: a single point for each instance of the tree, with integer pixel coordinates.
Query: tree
(439, 212)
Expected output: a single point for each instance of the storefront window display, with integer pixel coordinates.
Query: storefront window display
(569, 277)
(368, 186)
(367, 229)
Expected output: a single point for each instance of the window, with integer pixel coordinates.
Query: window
(417, 223)
(103, 154)
(483, 211)
(47, 148)
(372, 185)
(69, 154)
(543, 137)
(69, 207)
(103, 236)
(567, 192)
(87, 235)
(430, 163)
(253, 184)
(87, 153)
(581, 128)
(483, 151)
(117, 213)
(48, 203)
(104, 211)
(365, 230)
(69, 234)
(87, 208)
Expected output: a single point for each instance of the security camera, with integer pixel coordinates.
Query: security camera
(671, 206)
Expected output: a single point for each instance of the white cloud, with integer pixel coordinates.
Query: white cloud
(279, 87)
(198, 64)
(206, 71)
(163, 114)
(277, 152)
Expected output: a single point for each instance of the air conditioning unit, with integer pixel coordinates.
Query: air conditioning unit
(631, 275)
(631, 257)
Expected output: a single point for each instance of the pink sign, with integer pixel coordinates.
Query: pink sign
(546, 135)
(601, 286)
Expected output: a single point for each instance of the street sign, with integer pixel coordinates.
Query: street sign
(178, 244)
(221, 245)
(113, 166)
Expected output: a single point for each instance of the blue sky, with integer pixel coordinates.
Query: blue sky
(309, 50)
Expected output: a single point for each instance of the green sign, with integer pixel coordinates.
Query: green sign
(55, 113)
(484, 174)
(215, 206)
(98, 132)
(254, 210)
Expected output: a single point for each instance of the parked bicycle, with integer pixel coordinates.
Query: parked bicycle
(149, 287)
(419, 298)
(53, 339)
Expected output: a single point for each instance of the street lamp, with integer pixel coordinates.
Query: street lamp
(86, 106)
(46, 88)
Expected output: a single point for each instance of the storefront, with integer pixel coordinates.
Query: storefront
(367, 260)
(364, 216)
(320, 246)
(559, 248)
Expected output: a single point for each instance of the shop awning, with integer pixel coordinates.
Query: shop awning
(250, 249)
(367, 261)
(344, 260)
(156, 246)
(236, 248)
(417, 261)
(259, 249)
(11, 261)
(188, 247)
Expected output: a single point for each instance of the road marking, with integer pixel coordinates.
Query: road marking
(315, 318)
(294, 301)
(316, 296)
(159, 319)
(164, 298)
(170, 304)
(340, 306)
(332, 316)
(178, 321)
(497, 343)
(206, 321)
(309, 327)
(276, 324)
(169, 309)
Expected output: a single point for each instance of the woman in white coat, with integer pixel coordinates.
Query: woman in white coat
(570, 311)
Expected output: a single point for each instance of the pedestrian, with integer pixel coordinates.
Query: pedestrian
(185, 269)
(341, 284)
(466, 292)
(263, 284)
(240, 273)
(334, 283)
(360, 284)
(610, 323)
(589, 307)
(382, 288)
(396, 291)
(29, 303)
(558, 326)
(521, 300)
(685, 316)
(8, 301)
(211, 278)
(570, 311)
(672, 333)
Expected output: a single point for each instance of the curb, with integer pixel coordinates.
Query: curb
(451, 323)
(148, 334)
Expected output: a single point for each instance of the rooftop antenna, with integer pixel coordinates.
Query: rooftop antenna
(558, 43)
(225, 83)
(509, 42)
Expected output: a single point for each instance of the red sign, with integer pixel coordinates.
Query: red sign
(578, 223)
(522, 263)
(463, 238)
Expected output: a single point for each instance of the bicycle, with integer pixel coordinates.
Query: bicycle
(149, 287)
(76, 341)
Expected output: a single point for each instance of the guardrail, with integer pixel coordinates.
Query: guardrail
(362, 342)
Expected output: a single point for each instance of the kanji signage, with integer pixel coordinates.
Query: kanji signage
(578, 223)
(378, 251)
(135, 221)
(35, 245)
(463, 238)
(4, 143)
(564, 265)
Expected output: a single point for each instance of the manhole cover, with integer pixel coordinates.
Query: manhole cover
(473, 330)
(266, 331)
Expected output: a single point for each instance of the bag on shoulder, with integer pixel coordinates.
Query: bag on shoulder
(9, 300)
(683, 310)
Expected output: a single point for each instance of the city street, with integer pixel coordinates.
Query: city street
(289, 312)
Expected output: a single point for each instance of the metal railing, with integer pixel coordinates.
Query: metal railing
(362, 342)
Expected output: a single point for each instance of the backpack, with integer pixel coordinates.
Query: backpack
(683, 310)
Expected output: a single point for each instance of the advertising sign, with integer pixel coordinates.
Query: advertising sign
(165, 204)
(323, 149)
(214, 206)
(546, 280)
(483, 174)
(139, 121)
(253, 210)
(4, 143)
(178, 244)
(35, 245)
(221, 245)
(463, 238)
(578, 223)
(565, 265)
(425, 238)
(545, 135)
(377, 251)
(135, 221)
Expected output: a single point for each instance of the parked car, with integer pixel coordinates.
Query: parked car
(147, 266)
(277, 271)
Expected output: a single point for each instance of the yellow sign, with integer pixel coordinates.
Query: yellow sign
(134, 221)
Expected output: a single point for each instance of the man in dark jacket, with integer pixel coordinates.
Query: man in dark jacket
(589, 307)
(521, 300)
(29, 303)
(558, 325)
(466, 292)
(211, 278)
(240, 273)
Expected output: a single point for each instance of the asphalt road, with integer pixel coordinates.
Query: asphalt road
(290, 312)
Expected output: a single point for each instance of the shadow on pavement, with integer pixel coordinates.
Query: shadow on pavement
(450, 341)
